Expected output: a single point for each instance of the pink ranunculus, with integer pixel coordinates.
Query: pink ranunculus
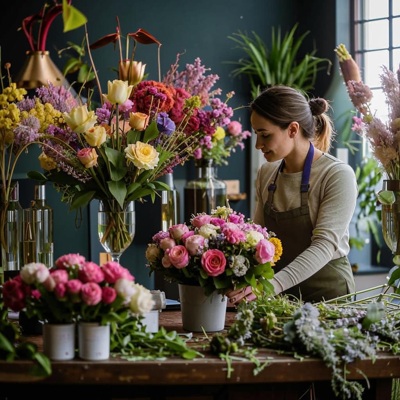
(113, 271)
(108, 294)
(176, 231)
(167, 243)
(233, 234)
(200, 220)
(194, 244)
(179, 256)
(69, 260)
(265, 251)
(213, 262)
(236, 218)
(91, 293)
(91, 272)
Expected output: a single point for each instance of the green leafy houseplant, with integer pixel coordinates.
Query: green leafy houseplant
(279, 64)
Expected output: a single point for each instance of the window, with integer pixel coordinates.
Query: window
(376, 42)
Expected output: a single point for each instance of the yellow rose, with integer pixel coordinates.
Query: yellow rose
(118, 92)
(142, 155)
(218, 134)
(138, 121)
(88, 157)
(96, 136)
(46, 162)
(80, 119)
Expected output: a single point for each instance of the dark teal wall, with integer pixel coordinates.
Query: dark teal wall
(197, 29)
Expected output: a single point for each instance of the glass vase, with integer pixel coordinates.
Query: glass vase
(204, 193)
(391, 217)
(11, 234)
(116, 227)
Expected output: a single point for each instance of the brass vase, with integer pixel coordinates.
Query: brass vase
(39, 70)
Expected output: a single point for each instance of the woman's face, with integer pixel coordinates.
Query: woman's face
(273, 141)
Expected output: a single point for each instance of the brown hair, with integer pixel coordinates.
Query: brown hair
(283, 105)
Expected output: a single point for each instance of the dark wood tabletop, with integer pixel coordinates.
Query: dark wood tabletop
(208, 372)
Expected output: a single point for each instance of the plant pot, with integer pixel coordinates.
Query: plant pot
(94, 341)
(59, 341)
(201, 312)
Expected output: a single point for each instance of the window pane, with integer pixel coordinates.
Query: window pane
(373, 67)
(373, 34)
(396, 59)
(376, 9)
(396, 8)
(396, 31)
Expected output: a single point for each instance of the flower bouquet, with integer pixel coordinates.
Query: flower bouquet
(219, 252)
(76, 290)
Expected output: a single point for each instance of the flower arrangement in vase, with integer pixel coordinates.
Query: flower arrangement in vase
(220, 252)
(76, 290)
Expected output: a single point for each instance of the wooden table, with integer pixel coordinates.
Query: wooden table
(285, 378)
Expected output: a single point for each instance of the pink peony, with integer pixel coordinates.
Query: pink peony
(91, 272)
(108, 294)
(69, 260)
(113, 271)
(91, 293)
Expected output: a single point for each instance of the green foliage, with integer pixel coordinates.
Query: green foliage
(279, 64)
(13, 348)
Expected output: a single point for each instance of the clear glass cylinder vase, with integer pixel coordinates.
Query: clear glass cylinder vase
(204, 193)
(391, 217)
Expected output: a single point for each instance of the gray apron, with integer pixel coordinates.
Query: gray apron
(294, 229)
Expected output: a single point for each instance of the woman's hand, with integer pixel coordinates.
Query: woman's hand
(244, 294)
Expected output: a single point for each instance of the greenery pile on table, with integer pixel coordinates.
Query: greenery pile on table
(338, 331)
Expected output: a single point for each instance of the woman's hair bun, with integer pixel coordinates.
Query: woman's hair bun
(318, 106)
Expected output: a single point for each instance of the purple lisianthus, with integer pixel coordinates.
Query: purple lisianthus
(165, 124)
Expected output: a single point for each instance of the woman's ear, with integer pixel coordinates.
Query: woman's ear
(294, 129)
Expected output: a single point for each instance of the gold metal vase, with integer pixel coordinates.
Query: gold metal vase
(39, 70)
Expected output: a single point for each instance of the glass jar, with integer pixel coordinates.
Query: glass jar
(204, 193)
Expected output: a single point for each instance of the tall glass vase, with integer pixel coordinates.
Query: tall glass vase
(204, 193)
(11, 234)
(116, 227)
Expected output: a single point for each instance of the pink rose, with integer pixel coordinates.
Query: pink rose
(91, 272)
(108, 294)
(176, 231)
(167, 243)
(265, 251)
(213, 262)
(165, 261)
(91, 293)
(178, 256)
(194, 244)
(200, 220)
(88, 157)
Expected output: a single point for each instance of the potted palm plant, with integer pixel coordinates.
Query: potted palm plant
(279, 64)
